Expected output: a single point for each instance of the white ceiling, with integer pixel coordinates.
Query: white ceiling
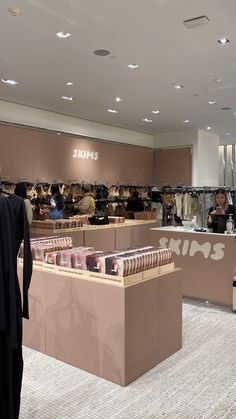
(150, 33)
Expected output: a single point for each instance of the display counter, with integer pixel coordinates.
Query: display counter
(105, 237)
(208, 261)
(115, 332)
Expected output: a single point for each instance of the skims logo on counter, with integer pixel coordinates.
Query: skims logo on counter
(85, 154)
(187, 247)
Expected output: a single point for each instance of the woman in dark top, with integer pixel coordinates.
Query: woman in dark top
(219, 213)
(21, 190)
(135, 204)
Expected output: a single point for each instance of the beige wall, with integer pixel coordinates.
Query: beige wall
(34, 154)
(172, 166)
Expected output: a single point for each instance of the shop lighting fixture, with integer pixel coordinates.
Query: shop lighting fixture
(69, 98)
(11, 82)
(14, 11)
(63, 34)
(208, 128)
(146, 120)
(69, 83)
(132, 66)
(177, 86)
(223, 41)
(217, 80)
(228, 133)
(186, 121)
(112, 110)
(155, 111)
(212, 102)
(118, 99)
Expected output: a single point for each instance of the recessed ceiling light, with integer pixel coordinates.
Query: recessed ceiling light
(146, 120)
(212, 102)
(101, 52)
(217, 80)
(112, 110)
(11, 82)
(63, 34)
(69, 83)
(223, 41)
(186, 121)
(14, 11)
(228, 133)
(155, 111)
(177, 86)
(133, 66)
(208, 128)
(70, 98)
(119, 99)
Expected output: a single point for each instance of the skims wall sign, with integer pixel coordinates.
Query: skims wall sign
(85, 154)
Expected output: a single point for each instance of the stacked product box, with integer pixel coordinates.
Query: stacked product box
(120, 263)
(41, 246)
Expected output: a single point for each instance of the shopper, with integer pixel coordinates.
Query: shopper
(135, 204)
(56, 202)
(219, 213)
(87, 204)
(21, 190)
(41, 204)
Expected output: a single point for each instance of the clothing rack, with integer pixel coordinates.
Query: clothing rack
(195, 190)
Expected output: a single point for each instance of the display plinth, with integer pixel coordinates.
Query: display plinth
(117, 333)
(105, 237)
(208, 261)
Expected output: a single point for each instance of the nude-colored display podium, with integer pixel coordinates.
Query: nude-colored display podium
(115, 332)
(105, 237)
(208, 261)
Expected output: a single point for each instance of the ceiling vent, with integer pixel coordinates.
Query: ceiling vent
(226, 108)
(196, 21)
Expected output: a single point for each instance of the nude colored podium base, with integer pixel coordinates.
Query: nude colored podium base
(117, 333)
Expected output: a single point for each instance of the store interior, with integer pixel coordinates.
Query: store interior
(117, 210)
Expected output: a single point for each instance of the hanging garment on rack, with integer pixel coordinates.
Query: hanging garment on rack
(222, 165)
(158, 208)
(234, 159)
(179, 204)
(13, 229)
(229, 166)
(187, 207)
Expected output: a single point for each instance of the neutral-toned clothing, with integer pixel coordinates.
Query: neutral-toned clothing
(29, 210)
(87, 204)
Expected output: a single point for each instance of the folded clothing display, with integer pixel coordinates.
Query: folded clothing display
(57, 224)
(145, 215)
(116, 220)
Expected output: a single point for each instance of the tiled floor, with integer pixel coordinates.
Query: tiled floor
(197, 382)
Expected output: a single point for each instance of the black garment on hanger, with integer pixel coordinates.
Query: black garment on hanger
(13, 229)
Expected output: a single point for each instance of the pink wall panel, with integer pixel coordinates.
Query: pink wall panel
(33, 153)
(172, 166)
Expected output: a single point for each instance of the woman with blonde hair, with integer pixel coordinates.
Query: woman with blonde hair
(219, 213)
